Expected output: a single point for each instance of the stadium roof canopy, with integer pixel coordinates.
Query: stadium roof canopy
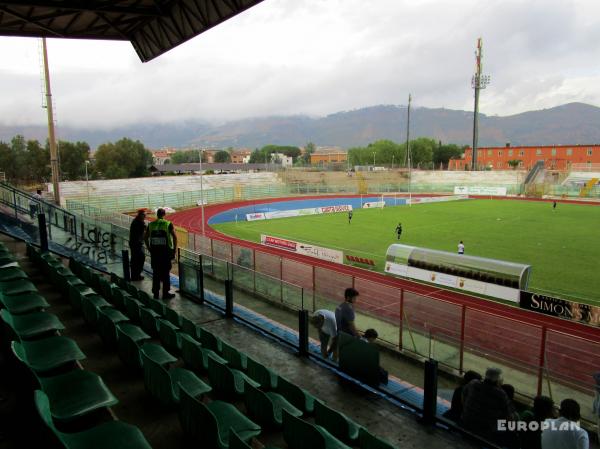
(152, 26)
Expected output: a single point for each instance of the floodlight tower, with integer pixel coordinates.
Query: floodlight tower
(478, 82)
(54, 164)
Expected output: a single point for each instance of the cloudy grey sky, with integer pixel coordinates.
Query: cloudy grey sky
(317, 57)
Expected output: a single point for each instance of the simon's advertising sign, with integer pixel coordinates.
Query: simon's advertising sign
(583, 313)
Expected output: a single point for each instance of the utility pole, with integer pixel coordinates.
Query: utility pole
(478, 82)
(51, 136)
(408, 155)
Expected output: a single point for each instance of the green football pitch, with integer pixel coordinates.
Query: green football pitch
(562, 245)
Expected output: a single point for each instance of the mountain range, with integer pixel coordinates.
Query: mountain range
(573, 123)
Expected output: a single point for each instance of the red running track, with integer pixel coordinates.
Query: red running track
(191, 220)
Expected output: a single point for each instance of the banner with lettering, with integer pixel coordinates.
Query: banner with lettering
(570, 310)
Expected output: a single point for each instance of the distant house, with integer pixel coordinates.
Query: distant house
(328, 155)
(555, 157)
(280, 158)
(240, 156)
(161, 156)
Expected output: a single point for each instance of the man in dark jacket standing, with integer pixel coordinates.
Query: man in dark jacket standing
(136, 245)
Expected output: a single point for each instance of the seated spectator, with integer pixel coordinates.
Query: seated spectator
(370, 336)
(456, 406)
(543, 409)
(324, 321)
(484, 403)
(510, 393)
(564, 432)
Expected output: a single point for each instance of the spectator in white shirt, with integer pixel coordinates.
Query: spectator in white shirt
(324, 321)
(461, 248)
(564, 432)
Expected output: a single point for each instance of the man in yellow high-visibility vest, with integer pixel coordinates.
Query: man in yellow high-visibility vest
(161, 241)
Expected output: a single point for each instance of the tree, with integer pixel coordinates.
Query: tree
(309, 149)
(380, 152)
(7, 161)
(123, 159)
(38, 162)
(222, 157)
(421, 151)
(72, 159)
(514, 163)
(443, 153)
(188, 157)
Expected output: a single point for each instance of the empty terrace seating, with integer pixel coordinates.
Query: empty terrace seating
(215, 370)
(66, 395)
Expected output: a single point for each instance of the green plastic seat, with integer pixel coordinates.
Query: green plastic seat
(149, 320)
(132, 309)
(112, 434)
(47, 354)
(31, 325)
(266, 408)
(227, 382)
(173, 316)
(195, 356)
(90, 305)
(209, 424)
(209, 341)
(106, 288)
(367, 440)
(235, 359)
(76, 293)
(300, 398)
(169, 336)
(336, 423)
(108, 318)
(158, 306)
(75, 394)
(261, 374)
(24, 303)
(132, 290)
(299, 434)
(12, 274)
(191, 328)
(129, 339)
(144, 298)
(163, 383)
(16, 287)
(119, 296)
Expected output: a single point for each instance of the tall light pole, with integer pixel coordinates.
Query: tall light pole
(478, 82)
(87, 185)
(51, 135)
(201, 190)
(392, 161)
(408, 155)
(373, 160)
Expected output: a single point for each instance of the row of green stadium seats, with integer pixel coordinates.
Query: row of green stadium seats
(68, 393)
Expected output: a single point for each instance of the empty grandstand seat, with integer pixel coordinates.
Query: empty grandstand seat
(266, 407)
(169, 336)
(195, 356)
(108, 318)
(129, 339)
(113, 434)
(158, 306)
(90, 305)
(24, 303)
(210, 424)
(48, 353)
(299, 398)
(209, 341)
(299, 434)
(336, 423)
(149, 320)
(235, 359)
(76, 393)
(163, 383)
(119, 298)
(226, 381)
(12, 274)
(191, 328)
(367, 440)
(31, 325)
(133, 309)
(173, 316)
(16, 287)
(261, 374)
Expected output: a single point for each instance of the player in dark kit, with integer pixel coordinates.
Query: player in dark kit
(349, 216)
(399, 230)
